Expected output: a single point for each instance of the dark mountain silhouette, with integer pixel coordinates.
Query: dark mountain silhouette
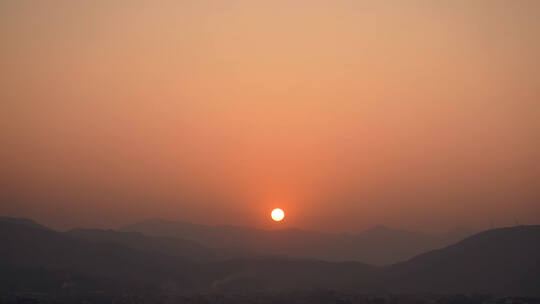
(377, 246)
(502, 261)
(35, 259)
(38, 259)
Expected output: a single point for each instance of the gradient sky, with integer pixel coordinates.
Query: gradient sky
(416, 114)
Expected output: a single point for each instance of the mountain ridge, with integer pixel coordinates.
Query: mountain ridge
(378, 245)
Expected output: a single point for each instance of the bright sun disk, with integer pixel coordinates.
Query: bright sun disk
(277, 214)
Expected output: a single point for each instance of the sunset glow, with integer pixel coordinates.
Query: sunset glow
(415, 114)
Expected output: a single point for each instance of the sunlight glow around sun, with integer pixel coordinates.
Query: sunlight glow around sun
(277, 214)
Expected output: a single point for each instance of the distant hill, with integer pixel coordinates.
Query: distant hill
(135, 240)
(22, 221)
(377, 246)
(170, 246)
(502, 261)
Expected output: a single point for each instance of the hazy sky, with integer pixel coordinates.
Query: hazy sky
(346, 113)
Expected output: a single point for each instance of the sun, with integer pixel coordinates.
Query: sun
(277, 214)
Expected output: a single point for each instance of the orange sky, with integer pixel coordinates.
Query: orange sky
(415, 114)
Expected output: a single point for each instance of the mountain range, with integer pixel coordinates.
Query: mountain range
(33, 258)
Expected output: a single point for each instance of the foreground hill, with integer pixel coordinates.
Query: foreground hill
(502, 261)
(505, 260)
(377, 246)
(35, 259)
